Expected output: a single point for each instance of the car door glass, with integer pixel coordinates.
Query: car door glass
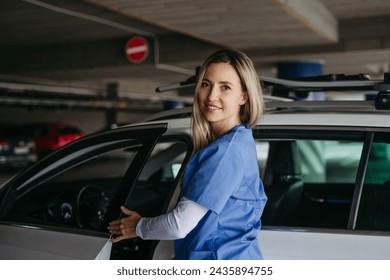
(325, 161)
(309, 183)
(79, 196)
(374, 207)
(152, 193)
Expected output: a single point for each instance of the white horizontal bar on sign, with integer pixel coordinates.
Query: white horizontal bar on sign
(136, 49)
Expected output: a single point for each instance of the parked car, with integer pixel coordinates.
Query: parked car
(51, 135)
(325, 167)
(16, 150)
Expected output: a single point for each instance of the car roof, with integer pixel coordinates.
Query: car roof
(307, 113)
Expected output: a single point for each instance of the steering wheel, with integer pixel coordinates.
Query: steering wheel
(91, 207)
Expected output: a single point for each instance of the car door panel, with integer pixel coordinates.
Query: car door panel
(22, 242)
(304, 244)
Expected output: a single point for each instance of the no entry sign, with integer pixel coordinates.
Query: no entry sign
(137, 49)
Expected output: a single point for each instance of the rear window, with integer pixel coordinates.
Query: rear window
(309, 177)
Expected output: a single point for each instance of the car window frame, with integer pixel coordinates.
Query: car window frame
(366, 135)
(149, 247)
(124, 191)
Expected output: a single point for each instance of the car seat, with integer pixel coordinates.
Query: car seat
(282, 182)
(374, 209)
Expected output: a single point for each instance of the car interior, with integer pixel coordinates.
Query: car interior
(79, 197)
(374, 209)
(319, 193)
(298, 199)
(282, 182)
(152, 194)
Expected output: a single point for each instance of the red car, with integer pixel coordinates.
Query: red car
(51, 136)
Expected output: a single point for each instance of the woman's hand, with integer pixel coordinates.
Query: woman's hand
(125, 227)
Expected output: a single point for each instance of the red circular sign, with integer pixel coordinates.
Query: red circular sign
(137, 49)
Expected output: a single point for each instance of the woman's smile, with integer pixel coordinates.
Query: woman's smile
(211, 107)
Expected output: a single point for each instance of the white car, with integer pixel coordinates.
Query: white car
(325, 166)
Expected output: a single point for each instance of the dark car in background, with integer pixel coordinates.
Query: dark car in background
(16, 149)
(50, 136)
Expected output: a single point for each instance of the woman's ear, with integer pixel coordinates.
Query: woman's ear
(244, 98)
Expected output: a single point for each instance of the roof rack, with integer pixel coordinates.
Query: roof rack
(332, 82)
(280, 106)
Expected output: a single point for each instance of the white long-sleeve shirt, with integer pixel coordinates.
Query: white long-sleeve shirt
(172, 225)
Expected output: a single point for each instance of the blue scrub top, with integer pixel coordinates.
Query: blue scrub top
(224, 177)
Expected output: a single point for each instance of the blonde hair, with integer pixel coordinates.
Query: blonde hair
(250, 112)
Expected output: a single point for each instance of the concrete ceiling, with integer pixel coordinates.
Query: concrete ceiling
(82, 42)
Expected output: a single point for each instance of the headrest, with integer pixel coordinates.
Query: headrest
(283, 161)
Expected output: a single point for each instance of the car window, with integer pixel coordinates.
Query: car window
(309, 178)
(81, 186)
(152, 193)
(78, 197)
(378, 171)
(329, 161)
(322, 161)
(374, 208)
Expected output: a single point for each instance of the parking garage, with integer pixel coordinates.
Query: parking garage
(76, 68)
(70, 61)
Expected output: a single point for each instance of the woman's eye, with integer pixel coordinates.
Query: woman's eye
(225, 88)
(204, 85)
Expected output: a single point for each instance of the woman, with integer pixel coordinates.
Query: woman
(218, 215)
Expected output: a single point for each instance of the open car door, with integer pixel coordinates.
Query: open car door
(59, 208)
